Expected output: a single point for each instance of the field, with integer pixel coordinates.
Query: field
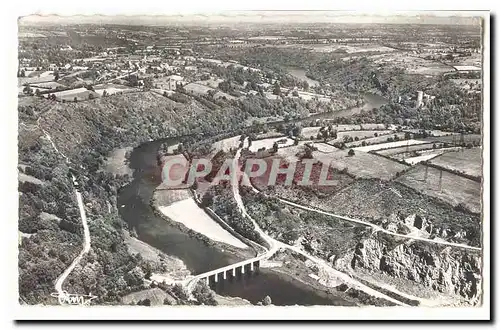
(421, 158)
(80, 93)
(454, 190)
(349, 49)
(362, 134)
(268, 143)
(467, 161)
(48, 85)
(472, 138)
(113, 89)
(289, 153)
(405, 149)
(336, 180)
(388, 145)
(310, 131)
(325, 147)
(197, 89)
(226, 144)
(365, 132)
(434, 132)
(413, 64)
(374, 140)
(362, 164)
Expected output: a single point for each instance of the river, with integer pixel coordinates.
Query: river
(371, 100)
(301, 74)
(134, 208)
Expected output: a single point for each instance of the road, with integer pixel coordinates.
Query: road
(275, 245)
(86, 232)
(378, 228)
(86, 244)
(366, 223)
(272, 243)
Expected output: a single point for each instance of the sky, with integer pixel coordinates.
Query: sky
(448, 18)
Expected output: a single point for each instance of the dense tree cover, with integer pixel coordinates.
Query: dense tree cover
(86, 134)
(225, 206)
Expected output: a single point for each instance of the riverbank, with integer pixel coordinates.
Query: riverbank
(198, 253)
(325, 284)
(170, 268)
(178, 205)
(235, 254)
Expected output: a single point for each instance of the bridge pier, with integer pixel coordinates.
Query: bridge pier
(251, 266)
(216, 277)
(234, 272)
(225, 275)
(242, 269)
(207, 280)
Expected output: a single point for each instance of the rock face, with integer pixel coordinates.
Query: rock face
(444, 269)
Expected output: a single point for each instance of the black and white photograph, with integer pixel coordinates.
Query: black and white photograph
(252, 160)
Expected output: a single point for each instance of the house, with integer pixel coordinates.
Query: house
(191, 68)
(170, 82)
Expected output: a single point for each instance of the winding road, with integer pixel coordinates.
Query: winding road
(86, 245)
(86, 232)
(275, 245)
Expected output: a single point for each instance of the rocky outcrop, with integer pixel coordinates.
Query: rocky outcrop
(447, 270)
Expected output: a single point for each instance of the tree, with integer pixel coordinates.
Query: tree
(267, 301)
(308, 152)
(37, 92)
(148, 83)
(91, 96)
(180, 292)
(204, 295)
(275, 147)
(133, 80)
(295, 93)
(104, 93)
(75, 99)
(276, 89)
(207, 199)
(27, 90)
(296, 130)
(350, 153)
(56, 75)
